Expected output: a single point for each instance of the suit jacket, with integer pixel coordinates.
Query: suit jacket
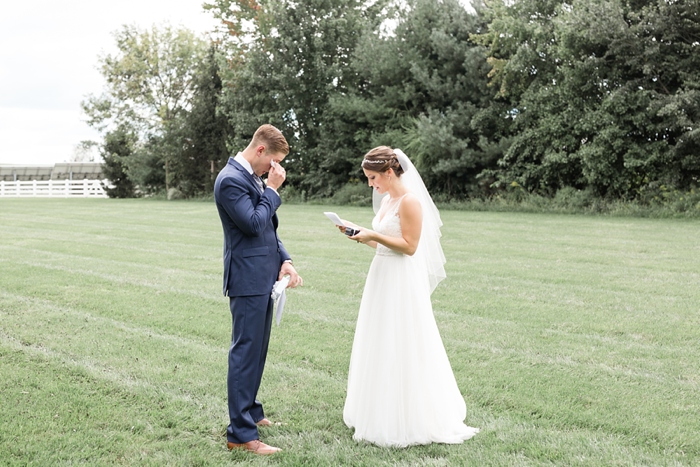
(253, 254)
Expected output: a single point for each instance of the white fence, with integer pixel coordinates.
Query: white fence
(53, 188)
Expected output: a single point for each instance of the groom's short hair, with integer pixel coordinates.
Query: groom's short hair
(272, 139)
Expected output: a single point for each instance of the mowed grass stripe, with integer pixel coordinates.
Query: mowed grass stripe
(126, 247)
(58, 413)
(169, 279)
(137, 354)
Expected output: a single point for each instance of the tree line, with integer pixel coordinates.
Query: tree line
(540, 96)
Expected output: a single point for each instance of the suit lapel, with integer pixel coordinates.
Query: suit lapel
(246, 174)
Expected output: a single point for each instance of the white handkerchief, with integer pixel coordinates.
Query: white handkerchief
(280, 307)
(279, 295)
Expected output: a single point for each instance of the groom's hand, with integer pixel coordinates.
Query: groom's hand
(294, 278)
(276, 176)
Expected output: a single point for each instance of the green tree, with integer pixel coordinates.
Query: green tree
(116, 149)
(149, 86)
(203, 134)
(421, 87)
(286, 61)
(604, 93)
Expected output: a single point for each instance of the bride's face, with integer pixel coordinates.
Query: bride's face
(378, 180)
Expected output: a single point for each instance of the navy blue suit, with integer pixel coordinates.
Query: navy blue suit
(253, 255)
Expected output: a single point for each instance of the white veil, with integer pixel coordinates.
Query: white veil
(429, 249)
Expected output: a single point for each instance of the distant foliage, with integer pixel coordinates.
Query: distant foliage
(605, 94)
(202, 134)
(423, 88)
(116, 150)
(150, 85)
(287, 60)
(531, 97)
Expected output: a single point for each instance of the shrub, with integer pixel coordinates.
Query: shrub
(353, 194)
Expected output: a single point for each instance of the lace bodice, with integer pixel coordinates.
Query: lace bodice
(387, 222)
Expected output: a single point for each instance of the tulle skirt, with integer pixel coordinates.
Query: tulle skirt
(401, 388)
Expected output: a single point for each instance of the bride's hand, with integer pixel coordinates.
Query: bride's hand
(363, 236)
(347, 224)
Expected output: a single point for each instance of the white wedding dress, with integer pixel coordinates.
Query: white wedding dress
(401, 388)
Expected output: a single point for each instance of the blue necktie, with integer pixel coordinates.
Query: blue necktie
(259, 181)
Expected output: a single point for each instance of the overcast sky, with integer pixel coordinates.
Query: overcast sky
(48, 64)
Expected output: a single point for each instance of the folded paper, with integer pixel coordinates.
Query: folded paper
(334, 218)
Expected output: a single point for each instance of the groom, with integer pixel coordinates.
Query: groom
(254, 258)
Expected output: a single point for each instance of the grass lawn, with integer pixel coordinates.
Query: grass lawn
(575, 340)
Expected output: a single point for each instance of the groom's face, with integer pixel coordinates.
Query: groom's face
(264, 161)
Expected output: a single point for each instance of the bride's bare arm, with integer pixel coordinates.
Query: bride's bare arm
(371, 243)
(411, 218)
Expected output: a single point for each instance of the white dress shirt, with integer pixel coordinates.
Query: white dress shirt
(246, 165)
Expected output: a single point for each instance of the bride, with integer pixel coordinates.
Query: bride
(401, 389)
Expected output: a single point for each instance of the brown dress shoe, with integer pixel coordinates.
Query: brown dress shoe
(256, 447)
(264, 422)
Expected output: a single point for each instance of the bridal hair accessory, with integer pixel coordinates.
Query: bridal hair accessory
(378, 161)
(429, 249)
(389, 161)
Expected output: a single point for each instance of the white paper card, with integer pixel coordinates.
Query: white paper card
(334, 218)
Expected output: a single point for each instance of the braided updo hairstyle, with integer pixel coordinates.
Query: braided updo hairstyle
(381, 159)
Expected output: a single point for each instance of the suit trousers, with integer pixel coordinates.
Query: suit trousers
(252, 321)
